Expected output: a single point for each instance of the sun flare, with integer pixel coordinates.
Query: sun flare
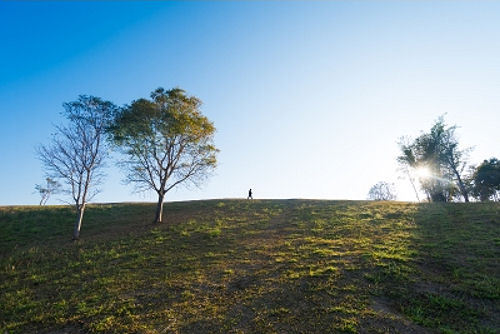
(423, 172)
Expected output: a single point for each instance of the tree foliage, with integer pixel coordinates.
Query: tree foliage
(166, 140)
(382, 191)
(486, 180)
(76, 153)
(437, 152)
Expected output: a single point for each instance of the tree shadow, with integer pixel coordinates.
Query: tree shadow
(449, 283)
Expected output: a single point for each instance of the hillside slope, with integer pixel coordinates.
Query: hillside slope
(261, 266)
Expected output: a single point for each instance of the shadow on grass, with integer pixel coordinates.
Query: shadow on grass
(453, 285)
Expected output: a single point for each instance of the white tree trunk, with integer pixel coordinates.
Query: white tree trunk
(78, 223)
(159, 209)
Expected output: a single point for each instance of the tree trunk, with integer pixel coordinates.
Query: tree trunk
(44, 199)
(159, 209)
(413, 185)
(79, 219)
(463, 190)
(465, 194)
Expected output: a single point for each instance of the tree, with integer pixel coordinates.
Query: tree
(453, 157)
(486, 180)
(382, 191)
(77, 151)
(166, 141)
(437, 160)
(46, 191)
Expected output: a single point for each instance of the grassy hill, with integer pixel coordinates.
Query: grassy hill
(262, 266)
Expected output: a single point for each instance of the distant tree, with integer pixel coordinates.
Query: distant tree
(486, 180)
(438, 153)
(167, 141)
(77, 151)
(51, 186)
(382, 191)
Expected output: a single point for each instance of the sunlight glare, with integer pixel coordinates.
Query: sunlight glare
(423, 172)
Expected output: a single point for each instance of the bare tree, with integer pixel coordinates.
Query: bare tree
(46, 191)
(167, 141)
(76, 153)
(382, 191)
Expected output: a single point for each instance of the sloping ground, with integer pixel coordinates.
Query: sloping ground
(262, 266)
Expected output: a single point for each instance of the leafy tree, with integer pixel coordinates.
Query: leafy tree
(46, 191)
(454, 158)
(486, 180)
(167, 142)
(382, 191)
(77, 151)
(439, 154)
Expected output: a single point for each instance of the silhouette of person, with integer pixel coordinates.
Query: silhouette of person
(250, 194)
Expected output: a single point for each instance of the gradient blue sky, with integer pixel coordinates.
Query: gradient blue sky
(309, 98)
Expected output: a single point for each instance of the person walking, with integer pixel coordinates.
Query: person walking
(250, 194)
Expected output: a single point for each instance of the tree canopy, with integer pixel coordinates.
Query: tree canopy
(166, 140)
(436, 158)
(382, 191)
(487, 180)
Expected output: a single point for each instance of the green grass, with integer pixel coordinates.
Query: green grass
(261, 266)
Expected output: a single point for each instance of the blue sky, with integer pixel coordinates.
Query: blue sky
(309, 98)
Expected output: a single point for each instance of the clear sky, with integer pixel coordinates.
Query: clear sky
(308, 98)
